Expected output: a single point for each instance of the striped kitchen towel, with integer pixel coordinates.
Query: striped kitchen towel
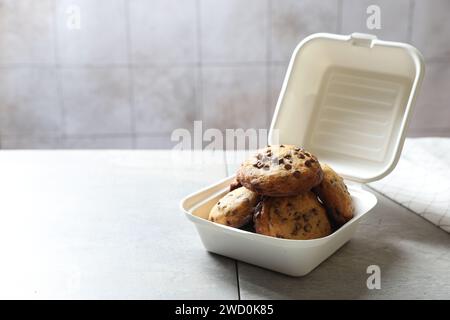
(421, 180)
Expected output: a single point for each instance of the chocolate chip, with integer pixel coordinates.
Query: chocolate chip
(287, 166)
(281, 161)
(308, 163)
(297, 149)
(288, 156)
(259, 156)
(301, 156)
(266, 167)
(297, 174)
(308, 154)
(281, 146)
(258, 165)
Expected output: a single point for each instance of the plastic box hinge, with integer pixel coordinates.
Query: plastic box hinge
(362, 39)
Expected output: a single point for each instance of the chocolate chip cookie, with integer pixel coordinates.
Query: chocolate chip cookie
(334, 194)
(235, 209)
(299, 217)
(280, 170)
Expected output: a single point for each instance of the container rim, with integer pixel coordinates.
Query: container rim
(354, 189)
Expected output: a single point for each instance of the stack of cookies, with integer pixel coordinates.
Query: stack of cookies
(283, 191)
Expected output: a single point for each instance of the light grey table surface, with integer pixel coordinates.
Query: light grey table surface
(107, 224)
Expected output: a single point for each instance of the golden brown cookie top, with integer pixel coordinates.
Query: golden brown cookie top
(334, 194)
(333, 178)
(234, 209)
(297, 217)
(280, 170)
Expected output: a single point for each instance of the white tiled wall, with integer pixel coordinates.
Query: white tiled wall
(164, 98)
(234, 95)
(163, 31)
(102, 37)
(95, 100)
(431, 27)
(29, 104)
(292, 20)
(233, 31)
(138, 69)
(27, 32)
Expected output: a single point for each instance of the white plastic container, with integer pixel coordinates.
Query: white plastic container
(348, 100)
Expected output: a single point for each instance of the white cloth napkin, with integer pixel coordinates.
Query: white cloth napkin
(421, 180)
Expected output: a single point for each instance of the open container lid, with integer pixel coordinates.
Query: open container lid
(348, 100)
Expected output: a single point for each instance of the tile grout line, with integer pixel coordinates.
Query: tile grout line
(98, 136)
(59, 84)
(412, 5)
(236, 263)
(436, 131)
(237, 279)
(168, 66)
(94, 135)
(131, 96)
(268, 63)
(157, 65)
(339, 22)
(199, 64)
